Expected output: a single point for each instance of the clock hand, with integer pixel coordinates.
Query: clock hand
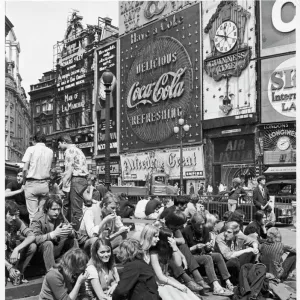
(220, 35)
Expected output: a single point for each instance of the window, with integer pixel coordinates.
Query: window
(44, 107)
(50, 129)
(45, 129)
(50, 106)
(38, 128)
(38, 109)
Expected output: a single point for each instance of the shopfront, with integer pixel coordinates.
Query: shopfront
(137, 167)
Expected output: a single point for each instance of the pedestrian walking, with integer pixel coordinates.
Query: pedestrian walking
(36, 173)
(75, 175)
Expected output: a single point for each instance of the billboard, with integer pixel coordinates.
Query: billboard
(278, 88)
(106, 59)
(229, 79)
(160, 82)
(278, 26)
(134, 14)
(138, 166)
(280, 144)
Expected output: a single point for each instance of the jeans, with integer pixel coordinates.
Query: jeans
(26, 255)
(208, 262)
(50, 251)
(36, 192)
(234, 265)
(191, 262)
(288, 265)
(75, 200)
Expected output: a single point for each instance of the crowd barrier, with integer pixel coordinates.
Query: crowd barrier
(217, 204)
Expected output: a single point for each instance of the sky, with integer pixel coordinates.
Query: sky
(38, 25)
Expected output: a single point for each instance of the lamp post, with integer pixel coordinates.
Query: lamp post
(180, 130)
(107, 78)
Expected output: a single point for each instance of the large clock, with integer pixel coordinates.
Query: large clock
(283, 143)
(226, 36)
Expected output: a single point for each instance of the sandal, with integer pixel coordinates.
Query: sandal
(230, 287)
(223, 292)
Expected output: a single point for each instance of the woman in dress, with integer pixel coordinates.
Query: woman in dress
(137, 279)
(103, 276)
(64, 281)
(160, 247)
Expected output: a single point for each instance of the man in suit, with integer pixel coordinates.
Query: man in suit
(261, 194)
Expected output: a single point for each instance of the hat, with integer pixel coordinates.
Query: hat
(259, 178)
(237, 180)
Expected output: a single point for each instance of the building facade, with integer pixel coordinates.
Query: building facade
(42, 97)
(160, 82)
(17, 111)
(277, 130)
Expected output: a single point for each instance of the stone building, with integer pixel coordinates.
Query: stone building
(42, 95)
(17, 111)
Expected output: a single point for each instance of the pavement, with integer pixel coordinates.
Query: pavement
(31, 290)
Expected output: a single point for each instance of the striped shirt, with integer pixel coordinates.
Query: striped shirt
(271, 256)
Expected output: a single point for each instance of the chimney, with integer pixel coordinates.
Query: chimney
(107, 21)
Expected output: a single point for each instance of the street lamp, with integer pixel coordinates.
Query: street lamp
(107, 78)
(180, 131)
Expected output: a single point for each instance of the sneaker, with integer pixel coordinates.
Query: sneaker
(193, 286)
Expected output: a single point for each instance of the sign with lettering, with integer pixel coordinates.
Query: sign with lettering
(278, 26)
(140, 165)
(280, 144)
(107, 59)
(114, 168)
(85, 145)
(134, 14)
(234, 149)
(228, 43)
(73, 77)
(160, 81)
(278, 86)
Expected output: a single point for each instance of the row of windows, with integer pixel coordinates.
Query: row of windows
(46, 129)
(44, 107)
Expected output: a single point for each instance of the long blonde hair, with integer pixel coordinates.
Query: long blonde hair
(147, 235)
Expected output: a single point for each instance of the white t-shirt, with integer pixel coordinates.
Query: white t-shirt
(140, 208)
(40, 160)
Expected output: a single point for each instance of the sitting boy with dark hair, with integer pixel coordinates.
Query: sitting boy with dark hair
(17, 257)
(175, 221)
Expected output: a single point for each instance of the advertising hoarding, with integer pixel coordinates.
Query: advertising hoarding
(278, 26)
(137, 166)
(278, 89)
(280, 144)
(229, 79)
(134, 14)
(107, 59)
(160, 82)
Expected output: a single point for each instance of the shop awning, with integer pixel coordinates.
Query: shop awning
(285, 169)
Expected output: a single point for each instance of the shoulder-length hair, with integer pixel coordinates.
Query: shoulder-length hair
(73, 262)
(149, 231)
(273, 235)
(109, 198)
(163, 247)
(129, 250)
(50, 201)
(95, 257)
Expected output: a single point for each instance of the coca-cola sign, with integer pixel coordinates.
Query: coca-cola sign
(159, 77)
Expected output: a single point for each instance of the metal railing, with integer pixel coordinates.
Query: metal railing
(217, 204)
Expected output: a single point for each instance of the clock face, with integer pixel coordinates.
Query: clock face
(283, 143)
(226, 36)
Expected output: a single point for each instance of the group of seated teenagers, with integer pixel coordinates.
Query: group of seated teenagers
(171, 256)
